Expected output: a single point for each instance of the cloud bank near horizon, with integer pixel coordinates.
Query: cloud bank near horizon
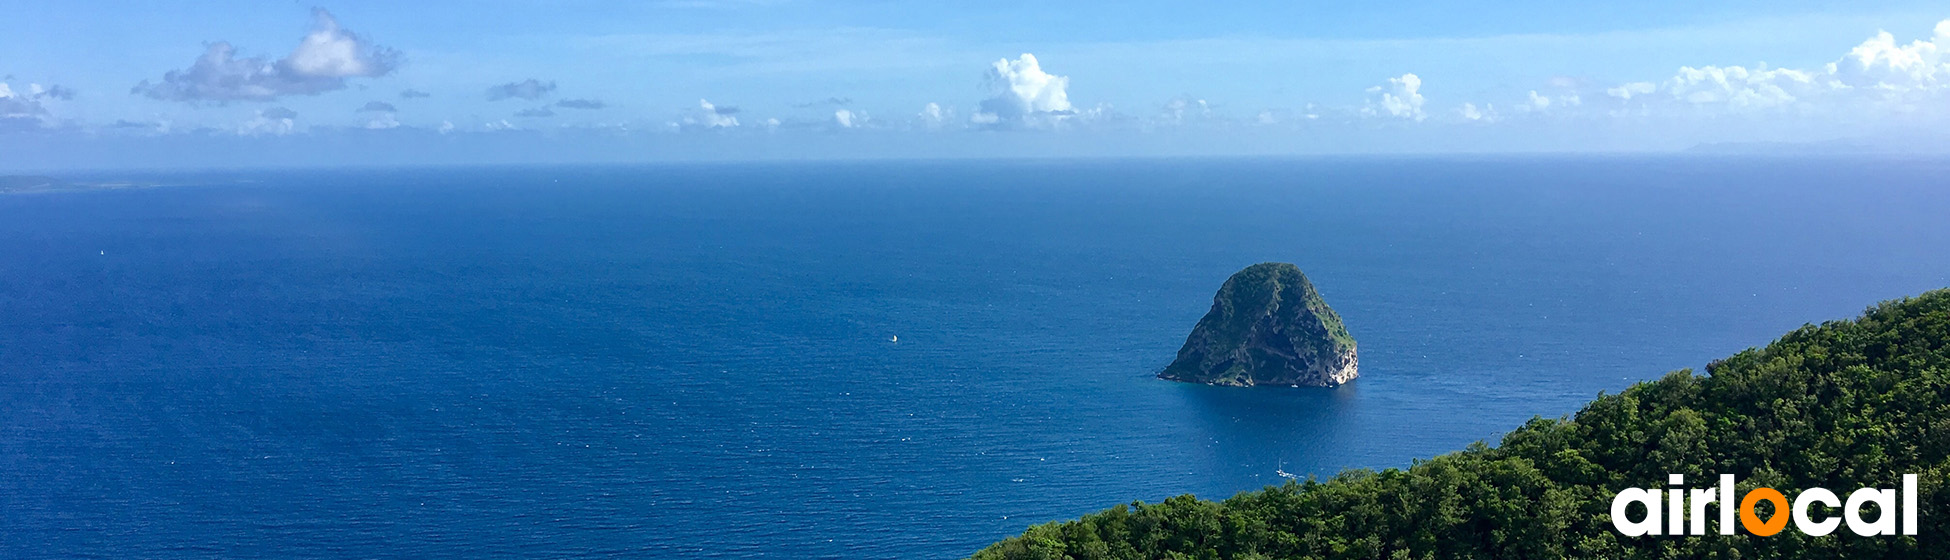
(1881, 80)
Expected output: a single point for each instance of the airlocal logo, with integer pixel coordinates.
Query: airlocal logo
(1678, 500)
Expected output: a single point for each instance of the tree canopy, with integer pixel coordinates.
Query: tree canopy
(1842, 405)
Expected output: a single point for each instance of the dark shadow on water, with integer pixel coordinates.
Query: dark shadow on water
(1250, 434)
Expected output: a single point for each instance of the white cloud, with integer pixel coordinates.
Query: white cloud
(331, 52)
(933, 116)
(1401, 98)
(1470, 112)
(1538, 102)
(1880, 63)
(709, 115)
(384, 121)
(1739, 87)
(1629, 90)
(845, 118)
(24, 110)
(18, 112)
(275, 121)
(446, 127)
(1023, 93)
(1182, 109)
(16, 105)
(1876, 72)
(1542, 103)
(322, 62)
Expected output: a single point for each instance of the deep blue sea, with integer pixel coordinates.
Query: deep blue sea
(699, 361)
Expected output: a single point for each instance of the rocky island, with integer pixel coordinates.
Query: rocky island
(1267, 326)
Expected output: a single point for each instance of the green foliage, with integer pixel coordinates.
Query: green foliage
(1842, 405)
(1265, 320)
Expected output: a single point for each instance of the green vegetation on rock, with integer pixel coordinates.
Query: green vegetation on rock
(1843, 405)
(1267, 326)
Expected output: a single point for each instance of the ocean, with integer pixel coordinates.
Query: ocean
(700, 361)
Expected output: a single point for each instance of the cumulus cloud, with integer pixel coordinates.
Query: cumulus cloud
(1023, 93)
(323, 61)
(1877, 71)
(1278, 115)
(384, 121)
(933, 116)
(1470, 112)
(377, 107)
(846, 119)
(581, 104)
(1629, 90)
(530, 89)
(1401, 98)
(7, 92)
(1538, 103)
(709, 115)
(12, 103)
(275, 121)
(19, 112)
(1740, 87)
(414, 94)
(1184, 108)
(1880, 63)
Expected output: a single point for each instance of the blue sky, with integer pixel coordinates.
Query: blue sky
(245, 83)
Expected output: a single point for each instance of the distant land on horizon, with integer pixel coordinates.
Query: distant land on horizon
(1919, 146)
(42, 183)
(62, 178)
(28, 183)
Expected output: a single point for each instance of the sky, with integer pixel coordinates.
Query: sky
(254, 83)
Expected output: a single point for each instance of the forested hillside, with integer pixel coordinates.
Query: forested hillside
(1843, 405)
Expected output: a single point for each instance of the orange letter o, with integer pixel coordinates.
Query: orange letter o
(1751, 521)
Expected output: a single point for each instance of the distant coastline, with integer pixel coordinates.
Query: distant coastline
(11, 184)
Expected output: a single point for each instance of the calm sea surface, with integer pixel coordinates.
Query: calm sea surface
(698, 361)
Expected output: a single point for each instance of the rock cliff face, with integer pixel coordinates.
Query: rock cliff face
(1267, 326)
